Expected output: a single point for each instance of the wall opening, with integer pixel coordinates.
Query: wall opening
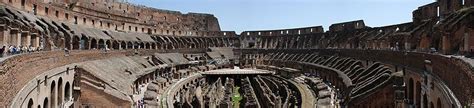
(30, 103)
(23, 2)
(75, 19)
(45, 103)
(67, 92)
(52, 94)
(46, 9)
(56, 14)
(35, 9)
(60, 91)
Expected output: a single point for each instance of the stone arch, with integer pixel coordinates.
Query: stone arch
(23, 2)
(93, 43)
(52, 94)
(142, 45)
(101, 44)
(76, 43)
(153, 45)
(115, 45)
(60, 90)
(129, 45)
(45, 102)
(439, 104)
(108, 44)
(147, 45)
(30, 103)
(123, 45)
(136, 45)
(431, 105)
(84, 43)
(67, 91)
(67, 41)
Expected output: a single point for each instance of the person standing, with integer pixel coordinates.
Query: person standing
(10, 50)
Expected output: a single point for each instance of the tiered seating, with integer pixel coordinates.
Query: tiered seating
(351, 76)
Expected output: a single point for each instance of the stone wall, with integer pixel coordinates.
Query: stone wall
(17, 71)
(113, 15)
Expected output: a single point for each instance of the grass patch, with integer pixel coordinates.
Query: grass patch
(236, 97)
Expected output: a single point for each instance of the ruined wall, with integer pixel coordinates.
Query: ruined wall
(93, 97)
(455, 73)
(347, 26)
(114, 15)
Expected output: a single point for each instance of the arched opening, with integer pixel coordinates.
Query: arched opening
(136, 45)
(410, 91)
(142, 45)
(431, 105)
(439, 104)
(147, 46)
(30, 103)
(67, 42)
(108, 44)
(84, 43)
(23, 2)
(418, 94)
(67, 92)
(93, 44)
(101, 44)
(123, 45)
(115, 45)
(52, 94)
(129, 45)
(45, 103)
(60, 91)
(76, 43)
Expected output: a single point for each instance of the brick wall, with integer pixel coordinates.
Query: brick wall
(18, 70)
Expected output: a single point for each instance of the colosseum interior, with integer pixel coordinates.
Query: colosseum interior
(112, 54)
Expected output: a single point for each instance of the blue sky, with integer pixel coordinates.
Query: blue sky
(242, 15)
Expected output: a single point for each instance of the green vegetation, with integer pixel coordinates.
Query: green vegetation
(236, 97)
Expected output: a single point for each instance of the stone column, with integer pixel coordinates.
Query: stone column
(18, 40)
(37, 41)
(5, 35)
(28, 40)
(446, 44)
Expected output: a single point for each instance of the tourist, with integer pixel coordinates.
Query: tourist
(24, 49)
(19, 49)
(66, 52)
(10, 50)
(30, 49)
(14, 50)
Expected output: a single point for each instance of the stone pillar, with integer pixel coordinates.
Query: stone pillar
(18, 40)
(446, 44)
(28, 40)
(89, 45)
(5, 35)
(37, 41)
(13, 37)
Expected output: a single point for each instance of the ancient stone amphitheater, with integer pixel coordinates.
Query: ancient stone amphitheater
(112, 54)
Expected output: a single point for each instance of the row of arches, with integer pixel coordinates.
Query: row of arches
(59, 92)
(160, 42)
(418, 99)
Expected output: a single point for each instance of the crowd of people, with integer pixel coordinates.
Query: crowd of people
(12, 50)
